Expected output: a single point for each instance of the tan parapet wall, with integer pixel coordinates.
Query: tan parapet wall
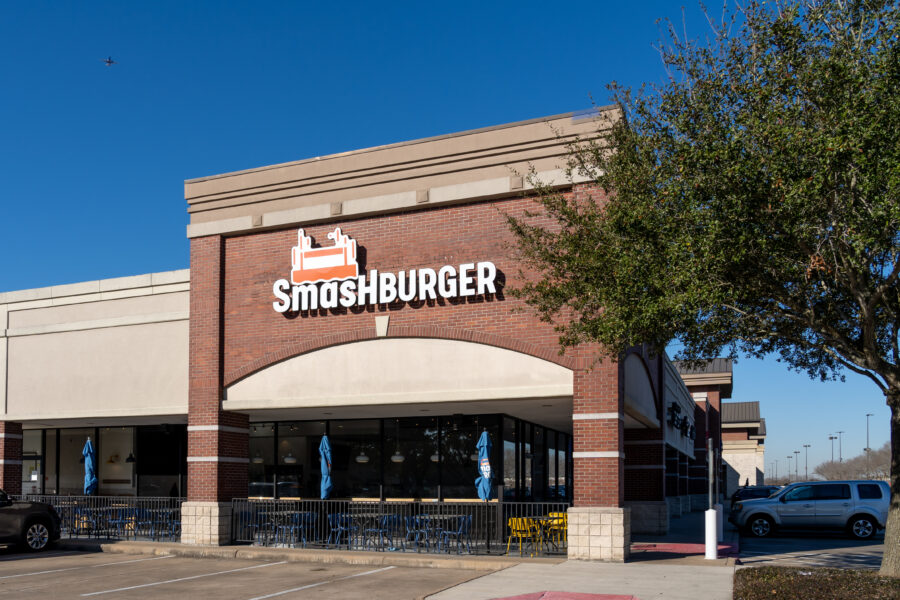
(114, 348)
(468, 166)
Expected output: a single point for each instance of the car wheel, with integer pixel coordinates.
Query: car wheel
(36, 536)
(862, 527)
(760, 525)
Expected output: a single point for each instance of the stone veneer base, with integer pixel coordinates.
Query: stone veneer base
(599, 533)
(206, 523)
(649, 516)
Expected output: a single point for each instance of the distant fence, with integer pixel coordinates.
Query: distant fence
(123, 517)
(404, 526)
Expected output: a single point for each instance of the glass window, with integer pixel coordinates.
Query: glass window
(527, 458)
(509, 458)
(160, 460)
(50, 470)
(551, 464)
(355, 458)
(804, 492)
(261, 473)
(32, 461)
(410, 447)
(539, 464)
(869, 491)
(832, 491)
(297, 471)
(115, 475)
(71, 462)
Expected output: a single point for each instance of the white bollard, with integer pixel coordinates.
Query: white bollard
(712, 546)
(720, 522)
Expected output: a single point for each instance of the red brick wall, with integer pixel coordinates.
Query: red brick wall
(234, 277)
(735, 435)
(11, 457)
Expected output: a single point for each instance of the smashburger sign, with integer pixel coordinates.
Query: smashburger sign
(329, 278)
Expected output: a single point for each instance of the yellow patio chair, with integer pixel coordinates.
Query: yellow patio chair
(558, 527)
(522, 529)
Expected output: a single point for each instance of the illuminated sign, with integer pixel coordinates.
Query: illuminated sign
(329, 278)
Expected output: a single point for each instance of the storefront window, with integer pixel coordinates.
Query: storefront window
(160, 460)
(410, 445)
(71, 462)
(297, 470)
(509, 459)
(32, 461)
(551, 464)
(527, 458)
(116, 475)
(261, 473)
(50, 464)
(356, 458)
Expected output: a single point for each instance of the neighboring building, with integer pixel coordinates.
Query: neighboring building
(743, 445)
(363, 295)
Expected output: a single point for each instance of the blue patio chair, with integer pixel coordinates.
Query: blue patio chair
(387, 528)
(85, 522)
(295, 529)
(464, 525)
(416, 532)
(144, 523)
(339, 525)
(122, 522)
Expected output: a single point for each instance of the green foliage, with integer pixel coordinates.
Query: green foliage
(753, 202)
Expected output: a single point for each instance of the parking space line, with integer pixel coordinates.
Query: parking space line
(145, 585)
(121, 562)
(42, 555)
(312, 585)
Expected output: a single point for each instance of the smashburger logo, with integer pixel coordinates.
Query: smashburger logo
(329, 277)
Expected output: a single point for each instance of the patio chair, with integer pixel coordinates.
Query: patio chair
(295, 529)
(123, 522)
(417, 531)
(144, 523)
(340, 524)
(464, 525)
(558, 528)
(84, 522)
(522, 529)
(387, 527)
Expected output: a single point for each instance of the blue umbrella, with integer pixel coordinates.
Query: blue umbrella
(483, 483)
(325, 461)
(90, 469)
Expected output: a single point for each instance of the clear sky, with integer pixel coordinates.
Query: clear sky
(93, 158)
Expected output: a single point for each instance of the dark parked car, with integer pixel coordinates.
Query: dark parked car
(753, 491)
(34, 525)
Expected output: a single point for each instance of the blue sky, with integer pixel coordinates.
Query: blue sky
(93, 158)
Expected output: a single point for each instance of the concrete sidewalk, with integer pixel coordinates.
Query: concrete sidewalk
(643, 580)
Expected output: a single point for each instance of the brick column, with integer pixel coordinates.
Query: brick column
(645, 481)
(11, 457)
(217, 440)
(599, 525)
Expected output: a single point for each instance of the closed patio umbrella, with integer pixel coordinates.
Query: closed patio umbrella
(483, 482)
(90, 468)
(325, 462)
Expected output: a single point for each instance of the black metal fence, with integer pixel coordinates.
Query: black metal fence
(533, 528)
(116, 516)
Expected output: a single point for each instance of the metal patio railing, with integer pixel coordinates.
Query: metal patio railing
(118, 517)
(471, 527)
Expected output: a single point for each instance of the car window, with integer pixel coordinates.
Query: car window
(759, 493)
(803, 492)
(832, 491)
(869, 491)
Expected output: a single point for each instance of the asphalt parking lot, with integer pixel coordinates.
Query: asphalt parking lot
(812, 550)
(67, 574)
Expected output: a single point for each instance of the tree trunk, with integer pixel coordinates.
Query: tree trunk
(890, 564)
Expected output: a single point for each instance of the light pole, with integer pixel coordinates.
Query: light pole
(789, 457)
(867, 445)
(776, 470)
(806, 462)
(832, 438)
(840, 446)
(797, 464)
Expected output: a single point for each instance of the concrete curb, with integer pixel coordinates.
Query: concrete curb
(378, 559)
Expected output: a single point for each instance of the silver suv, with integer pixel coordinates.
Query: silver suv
(859, 507)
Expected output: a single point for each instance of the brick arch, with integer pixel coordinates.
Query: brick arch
(406, 331)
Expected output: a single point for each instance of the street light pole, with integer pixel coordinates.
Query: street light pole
(806, 462)
(840, 446)
(832, 438)
(789, 457)
(868, 449)
(797, 464)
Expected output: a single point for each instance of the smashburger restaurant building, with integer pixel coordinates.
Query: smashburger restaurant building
(364, 295)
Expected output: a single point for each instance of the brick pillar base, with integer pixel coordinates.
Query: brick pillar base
(11, 457)
(649, 516)
(599, 533)
(206, 523)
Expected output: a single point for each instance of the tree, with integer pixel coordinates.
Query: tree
(876, 466)
(748, 206)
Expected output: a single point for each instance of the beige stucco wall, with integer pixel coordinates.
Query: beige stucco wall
(743, 461)
(398, 371)
(110, 348)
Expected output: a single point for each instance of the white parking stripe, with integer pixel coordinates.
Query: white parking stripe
(136, 587)
(41, 555)
(121, 562)
(312, 585)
